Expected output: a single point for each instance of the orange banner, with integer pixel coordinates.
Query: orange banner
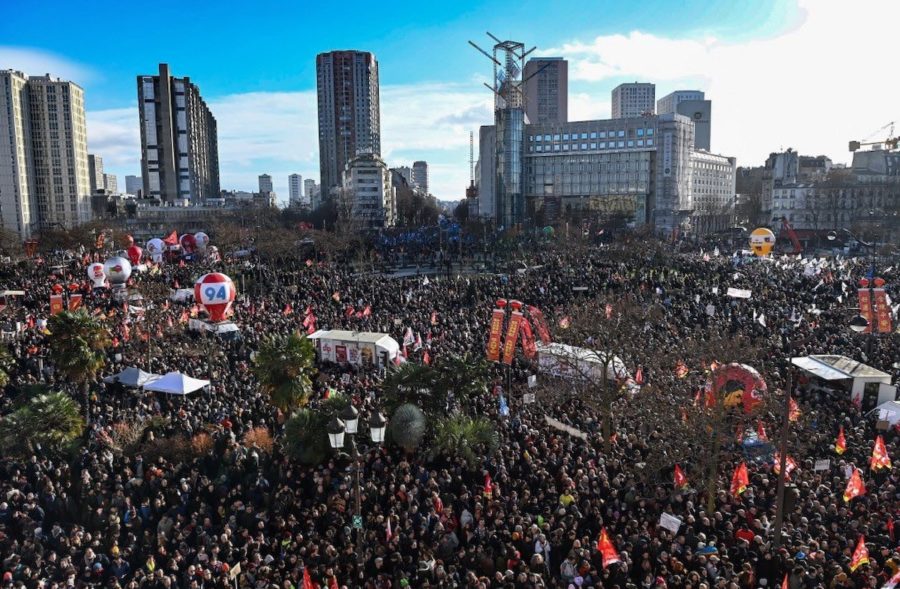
(56, 304)
(882, 311)
(74, 302)
(865, 307)
(512, 337)
(493, 347)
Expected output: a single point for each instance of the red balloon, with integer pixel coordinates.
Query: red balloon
(879, 282)
(188, 243)
(216, 293)
(134, 254)
(57, 289)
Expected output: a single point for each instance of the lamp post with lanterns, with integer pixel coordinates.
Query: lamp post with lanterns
(347, 424)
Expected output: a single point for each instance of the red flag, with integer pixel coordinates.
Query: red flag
(790, 465)
(56, 304)
(387, 532)
(680, 480)
(312, 328)
(512, 336)
(784, 583)
(607, 550)
(540, 324)
(793, 410)
(494, 335)
(307, 580)
(426, 359)
(309, 320)
(639, 375)
(367, 311)
(740, 480)
(288, 310)
(418, 343)
(332, 582)
(761, 431)
(488, 485)
(860, 555)
(184, 317)
(74, 302)
(434, 318)
(172, 239)
(126, 332)
(739, 435)
(528, 345)
(880, 458)
(181, 264)
(565, 322)
(840, 446)
(890, 526)
(855, 487)
(308, 310)
(609, 311)
(169, 322)
(349, 311)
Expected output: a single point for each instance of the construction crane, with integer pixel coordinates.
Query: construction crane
(889, 143)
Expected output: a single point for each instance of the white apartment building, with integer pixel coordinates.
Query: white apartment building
(712, 191)
(44, 176)
(633, 100)
(295, 190)
(370, 196)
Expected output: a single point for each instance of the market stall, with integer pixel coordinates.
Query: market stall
(867, 386)
(355, 347)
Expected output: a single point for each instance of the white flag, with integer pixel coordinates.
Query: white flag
(762, 319)
(425, 281)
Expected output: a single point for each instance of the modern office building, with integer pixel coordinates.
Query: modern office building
(44, 176)
(420, 176)
(368, 194)
(295, 189)
(265, 183)
(692, 104)
(312, 191)
(407, 173)
(179, 139)
(668, 103)
(349, 112)
(133, 185)
(633, 100)
(547, 90)
(111, 182)
(95, 173)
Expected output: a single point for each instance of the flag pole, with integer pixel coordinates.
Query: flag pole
(785, 429)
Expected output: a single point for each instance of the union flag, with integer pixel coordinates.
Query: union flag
(860, 555)
(855, 487)
(680, 480)
(740, 480)
(607, 549)
(840, 445)
(880, 458)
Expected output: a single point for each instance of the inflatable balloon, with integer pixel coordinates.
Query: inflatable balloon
(739, 384)
(134, 254)
(201, 240)
(96, 274)
(762, 241)
(56, 288)
(216, 293)
(188, 243)
(155, 249)
(117, 270)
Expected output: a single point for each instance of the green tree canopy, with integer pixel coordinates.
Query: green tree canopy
(285, 365)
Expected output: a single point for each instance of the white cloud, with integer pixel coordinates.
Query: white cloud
(814, 87)
(37, 62)
(277, 133)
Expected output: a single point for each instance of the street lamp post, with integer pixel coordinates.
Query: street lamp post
(347, 424)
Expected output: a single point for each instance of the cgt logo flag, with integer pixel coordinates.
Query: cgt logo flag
(607, 550)
(740, 480)
(512, 335)
(496, 331)
(74, 302)
(840, 445)
(56, 304)
(855, 487)
(880, 458)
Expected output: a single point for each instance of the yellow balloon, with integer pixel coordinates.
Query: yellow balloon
(762, 241)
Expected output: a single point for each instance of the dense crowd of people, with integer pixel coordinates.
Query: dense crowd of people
(238, 515)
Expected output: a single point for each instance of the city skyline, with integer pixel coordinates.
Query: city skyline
(764, 100)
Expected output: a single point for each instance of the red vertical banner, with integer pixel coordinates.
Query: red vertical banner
(512, 333)
(56, 304)
(540, 324)
(528, 340)
(74, 302)
(882, 311)
(493, 346)
(865, 307)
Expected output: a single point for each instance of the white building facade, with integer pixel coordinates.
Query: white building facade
(369, 196)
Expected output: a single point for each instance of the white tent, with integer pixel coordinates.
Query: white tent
(355, 347)
(579, 363)
(132, 377)
(855, 376)
(889, 412)
(175, 383)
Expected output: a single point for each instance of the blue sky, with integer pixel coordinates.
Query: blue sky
(255, 65)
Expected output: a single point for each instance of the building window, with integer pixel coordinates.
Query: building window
(556, 137)
(538, 138)
(621, 144)
(640, 143)
(584, 146)
(650, 142)
(603, 145)
(546, 138)
(630, 143)
(621, 133)
(640, 132)
(594, 135)
(650, 132)
(602, 134)
(584, 135)
(593, 146)
(540, 148)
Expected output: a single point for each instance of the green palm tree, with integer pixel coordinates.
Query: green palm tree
(407, 427)
(465, 377)
(305, 436)
(466, 438)
(78, 344)
(411, 383)
(47, 422)
(285, 365)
